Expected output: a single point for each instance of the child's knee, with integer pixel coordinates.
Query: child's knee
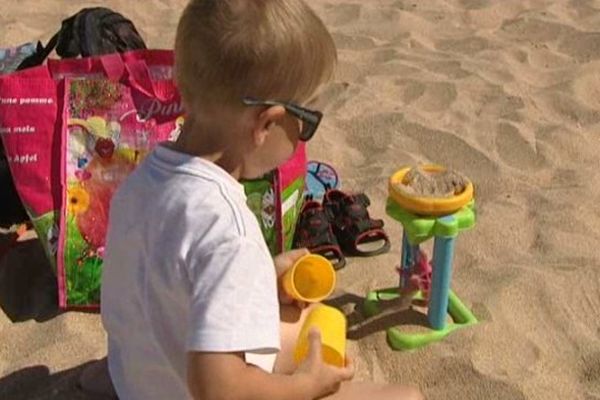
(402, 393)
(412, 393)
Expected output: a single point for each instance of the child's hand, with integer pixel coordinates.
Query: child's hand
(283, 262)
(324, 379)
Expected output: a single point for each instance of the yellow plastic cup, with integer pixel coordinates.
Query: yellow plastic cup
(331, 322)
(311, 279)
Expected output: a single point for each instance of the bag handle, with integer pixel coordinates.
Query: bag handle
(110, 65)
(140, 79)
(113, 66)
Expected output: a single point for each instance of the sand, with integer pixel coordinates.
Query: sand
(505, 91)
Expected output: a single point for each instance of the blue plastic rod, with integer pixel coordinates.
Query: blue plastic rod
(443, 253)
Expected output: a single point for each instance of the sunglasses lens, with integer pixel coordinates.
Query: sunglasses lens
(307, 131)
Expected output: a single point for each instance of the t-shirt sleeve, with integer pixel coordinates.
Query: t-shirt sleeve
(234, 305)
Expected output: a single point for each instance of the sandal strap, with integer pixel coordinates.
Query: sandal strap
(366, 225)
(353, 216)
(367, 237)
(333, 253)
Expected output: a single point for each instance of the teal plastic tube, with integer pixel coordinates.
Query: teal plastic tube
(443, 253)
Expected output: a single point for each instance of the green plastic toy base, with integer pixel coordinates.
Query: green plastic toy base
(399, 340)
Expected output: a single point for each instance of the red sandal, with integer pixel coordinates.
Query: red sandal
(352, 225)
(315, 233)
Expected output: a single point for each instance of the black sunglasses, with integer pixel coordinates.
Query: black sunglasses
(310, 118)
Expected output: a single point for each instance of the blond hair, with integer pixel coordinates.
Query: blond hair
(269, 49)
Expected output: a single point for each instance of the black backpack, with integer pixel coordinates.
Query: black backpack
(92, 31)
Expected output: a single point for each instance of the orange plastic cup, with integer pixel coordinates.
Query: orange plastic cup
(331, 322)
(311, 279)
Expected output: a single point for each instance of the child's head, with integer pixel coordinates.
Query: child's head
(231, 50)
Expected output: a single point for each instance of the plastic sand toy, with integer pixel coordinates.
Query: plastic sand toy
(440, 207)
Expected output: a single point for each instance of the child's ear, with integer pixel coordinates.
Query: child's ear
(264, 121)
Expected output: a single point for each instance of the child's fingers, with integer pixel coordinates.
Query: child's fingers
(285, 261)
(301, 304)
(349, 362)
(314, 345)
(285, 298)
(347, 372)
(295, 254)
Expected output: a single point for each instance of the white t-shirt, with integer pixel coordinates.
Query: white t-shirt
(186, 269)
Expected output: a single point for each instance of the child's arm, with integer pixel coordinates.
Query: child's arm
(217, 376)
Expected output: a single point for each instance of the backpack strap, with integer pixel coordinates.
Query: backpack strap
(65, 42)
(40, 54)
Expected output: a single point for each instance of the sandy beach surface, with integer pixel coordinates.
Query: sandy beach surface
(505, 91)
